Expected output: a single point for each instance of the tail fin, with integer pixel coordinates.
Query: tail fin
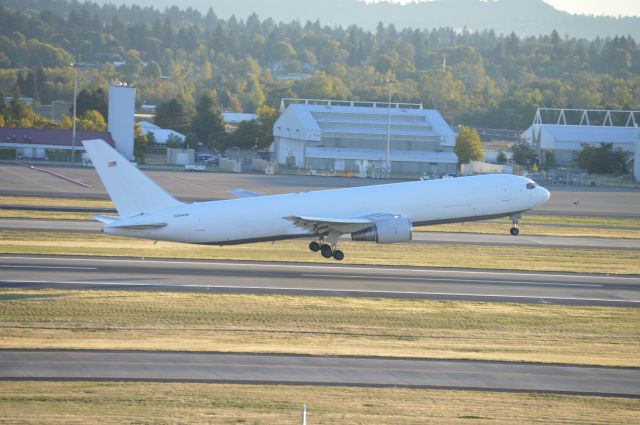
(130, 189)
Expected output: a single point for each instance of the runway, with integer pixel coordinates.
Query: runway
(18, 180)
(84, 226)
(111, 273)
(317, 370)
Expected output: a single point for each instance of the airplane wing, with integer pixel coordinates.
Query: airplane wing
(323, 225)
(243, 193)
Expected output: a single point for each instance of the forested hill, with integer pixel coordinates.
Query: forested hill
(524, 17)
(477, 78)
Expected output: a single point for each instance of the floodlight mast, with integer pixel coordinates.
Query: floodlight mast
(388, 165)
(75, 96)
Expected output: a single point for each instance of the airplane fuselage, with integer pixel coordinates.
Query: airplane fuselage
(263, 218)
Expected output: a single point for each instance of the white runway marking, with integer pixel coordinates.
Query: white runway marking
(317, 290)
(328, 267)
(429, 279)
(12, 266)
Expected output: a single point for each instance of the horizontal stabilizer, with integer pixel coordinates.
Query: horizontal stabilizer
(243, 193)
(106, 219)
(139, 226)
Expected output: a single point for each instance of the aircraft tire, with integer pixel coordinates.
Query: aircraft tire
(338, 255)
(326, 251)
(314, 246)
(514, 231)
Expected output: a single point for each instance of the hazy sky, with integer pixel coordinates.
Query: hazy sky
(585, 7)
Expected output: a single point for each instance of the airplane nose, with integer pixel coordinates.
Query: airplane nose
(544, 194)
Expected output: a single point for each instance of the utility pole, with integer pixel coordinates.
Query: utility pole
(388, 165)
(75, 95)
(304, 414)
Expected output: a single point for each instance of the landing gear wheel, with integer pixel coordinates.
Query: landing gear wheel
(326, 251)
(338, 255)
(314, 246)
(514, 231)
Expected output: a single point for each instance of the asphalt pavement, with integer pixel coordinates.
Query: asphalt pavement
(317, 279)
(22, 181)
(316, 370)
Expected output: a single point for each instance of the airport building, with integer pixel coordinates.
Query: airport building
(351, 137)
(565, 131)
(45, 143)
(57, 144)
(122, 105)
(162, 136)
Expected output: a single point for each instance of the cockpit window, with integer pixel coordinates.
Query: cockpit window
(531, 186)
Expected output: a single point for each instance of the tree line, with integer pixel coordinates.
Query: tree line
(476, 78)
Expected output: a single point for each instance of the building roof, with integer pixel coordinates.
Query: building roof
(381, 155)
(162, 135)
(587, 133)
(147, 124)
(236, 117)
(310, 121)
(49, 137)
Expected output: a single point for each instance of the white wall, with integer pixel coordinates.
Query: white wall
(122, 101)
(286, 148)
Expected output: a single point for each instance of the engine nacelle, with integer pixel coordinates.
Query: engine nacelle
(387, 230)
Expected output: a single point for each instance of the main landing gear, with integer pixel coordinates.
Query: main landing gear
(327, 250)
(515, 219)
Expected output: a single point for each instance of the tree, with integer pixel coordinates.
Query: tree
(91, 99)
(175, 114)
(139, 144)
(282, 51)
(549, 159)
(523, 154)
(133, 64)
(246, 136)
(603, 159)
(152, 70)
(468, 146)
(501, 158)
(207, 125)
(266, 117)
(92, 120)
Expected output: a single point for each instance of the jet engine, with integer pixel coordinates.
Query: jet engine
(385, 230)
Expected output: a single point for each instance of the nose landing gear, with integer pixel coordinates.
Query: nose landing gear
(515, 219)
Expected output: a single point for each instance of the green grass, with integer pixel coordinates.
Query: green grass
(319, 325)
(56, 202)
(170, 403)
(45, 215)
(438, 255)
(502, 228)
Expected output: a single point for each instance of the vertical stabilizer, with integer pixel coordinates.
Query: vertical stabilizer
(130, 189)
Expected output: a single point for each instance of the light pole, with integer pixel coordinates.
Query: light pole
(388, 166)
(75, 95)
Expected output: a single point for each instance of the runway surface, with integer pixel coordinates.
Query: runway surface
(82, 226)
(332, 279)
(21, 181)
(312, 370)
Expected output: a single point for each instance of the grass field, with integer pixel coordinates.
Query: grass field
(55, 202)
(169, 403)
(319, 325)
(45, 215)
(437, 255)
(498, 227)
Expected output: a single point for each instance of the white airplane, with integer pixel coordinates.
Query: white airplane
(381, 213)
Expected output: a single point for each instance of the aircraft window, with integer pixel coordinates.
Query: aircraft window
(531, 186)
